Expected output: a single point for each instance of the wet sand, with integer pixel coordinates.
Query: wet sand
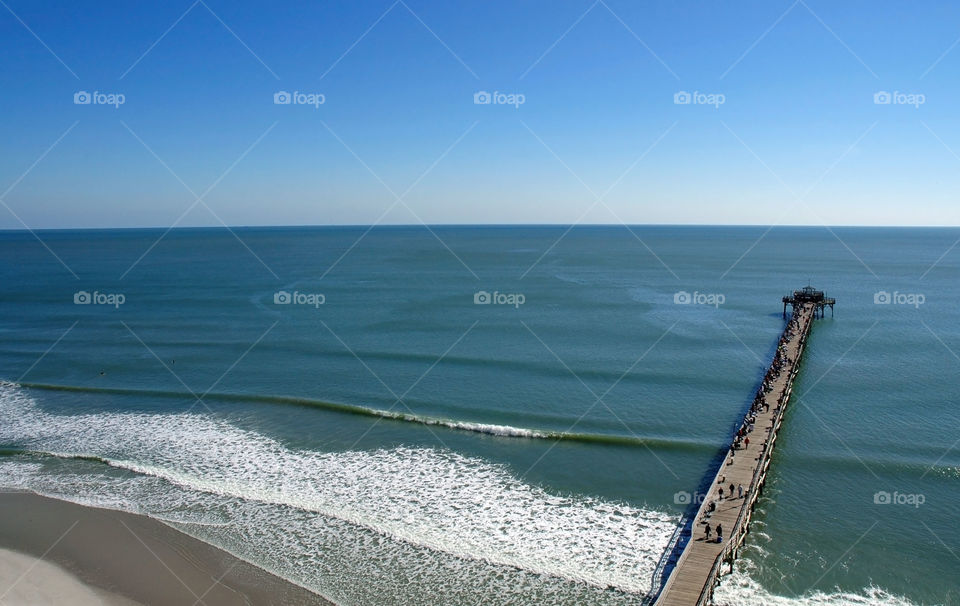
(100, 556)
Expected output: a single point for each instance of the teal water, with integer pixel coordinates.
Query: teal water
(400, 444)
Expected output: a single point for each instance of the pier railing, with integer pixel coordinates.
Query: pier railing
(659, 573)
(728, 553)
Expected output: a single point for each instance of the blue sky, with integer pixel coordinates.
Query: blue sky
(797, 139)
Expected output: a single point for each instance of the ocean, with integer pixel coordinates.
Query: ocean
(496, 415)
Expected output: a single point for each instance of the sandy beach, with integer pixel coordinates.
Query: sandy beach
(27, 580)
(90, 556)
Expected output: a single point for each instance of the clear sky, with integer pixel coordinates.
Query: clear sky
(598, 137)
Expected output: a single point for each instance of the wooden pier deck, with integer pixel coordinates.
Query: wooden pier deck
(698, 568)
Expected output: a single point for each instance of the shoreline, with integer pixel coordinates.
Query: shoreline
(126, 559)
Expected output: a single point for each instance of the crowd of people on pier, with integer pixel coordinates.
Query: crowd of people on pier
(742, 440)
(760, 404)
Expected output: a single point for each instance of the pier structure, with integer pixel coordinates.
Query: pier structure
(693, 563)
(809, 294)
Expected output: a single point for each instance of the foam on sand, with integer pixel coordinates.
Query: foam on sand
(423, 525)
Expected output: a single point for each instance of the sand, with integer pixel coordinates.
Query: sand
(55, 552)
(27, 580)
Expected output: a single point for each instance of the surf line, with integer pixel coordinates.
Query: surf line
(495, 430)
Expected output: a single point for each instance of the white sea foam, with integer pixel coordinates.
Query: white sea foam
(435, 515)
(506, 431)
(400, 526)
(740, 589)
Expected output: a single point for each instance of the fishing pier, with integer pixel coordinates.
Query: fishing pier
(809, 294)
(693, 563)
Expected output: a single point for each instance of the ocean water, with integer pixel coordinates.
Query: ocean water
(385, 439)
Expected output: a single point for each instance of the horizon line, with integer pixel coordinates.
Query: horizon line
(447, 225)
